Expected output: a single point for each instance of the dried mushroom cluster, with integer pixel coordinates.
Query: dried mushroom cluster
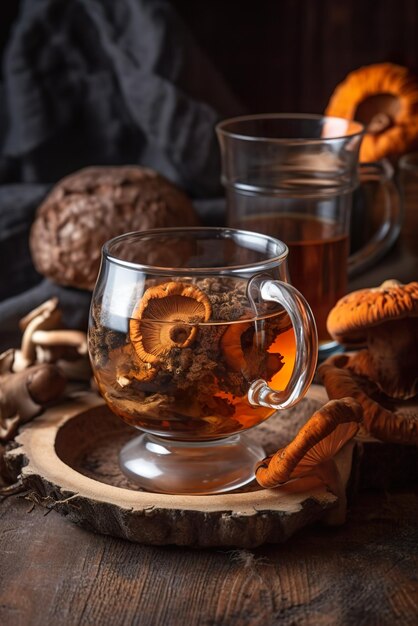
(89, 207)
(36, 374)
(181, 363)
(383, 376)
(373, 391)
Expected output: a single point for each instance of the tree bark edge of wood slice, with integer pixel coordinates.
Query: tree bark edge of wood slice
(60, 460)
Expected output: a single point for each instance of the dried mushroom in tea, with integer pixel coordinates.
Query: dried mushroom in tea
(188, 357)
(166, 318)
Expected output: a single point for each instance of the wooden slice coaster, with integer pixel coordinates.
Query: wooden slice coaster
(68, 459)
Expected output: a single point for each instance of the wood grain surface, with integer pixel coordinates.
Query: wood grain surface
(68, 458)
(362, 574)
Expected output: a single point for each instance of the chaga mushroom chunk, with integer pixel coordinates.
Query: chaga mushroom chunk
(385, 319)
(166, 318)
(93, 205)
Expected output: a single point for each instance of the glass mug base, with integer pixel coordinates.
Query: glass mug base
(185, 467)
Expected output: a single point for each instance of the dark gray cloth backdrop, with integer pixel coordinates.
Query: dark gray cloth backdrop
(99, 82)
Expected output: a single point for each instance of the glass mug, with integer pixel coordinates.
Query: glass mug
(195, 336)
(293, 177)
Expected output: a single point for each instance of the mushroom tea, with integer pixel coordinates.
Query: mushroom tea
(298, 178)
(195, 337)
(191, 351)
(318, 255)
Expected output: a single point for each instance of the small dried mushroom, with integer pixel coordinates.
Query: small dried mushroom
(24, 394)
(166, 318)
(93, 205)
(44, 340)
(313, 450)
(384, 318)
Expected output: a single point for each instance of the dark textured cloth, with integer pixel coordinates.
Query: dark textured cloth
(98, 82)
(94, 82)
(18, 204)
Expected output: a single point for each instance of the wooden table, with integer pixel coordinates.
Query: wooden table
(364, 573)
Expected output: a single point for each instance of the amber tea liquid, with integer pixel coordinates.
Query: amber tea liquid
(317, 258)
(200, 392)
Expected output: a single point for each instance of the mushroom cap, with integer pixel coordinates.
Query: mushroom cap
(235, 342)
(384, 97)
(319, 440)
(93, 205)
(359, 311)
(166, 318)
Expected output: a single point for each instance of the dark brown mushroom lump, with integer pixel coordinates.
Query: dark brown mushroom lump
(93, 205)
(183, 369)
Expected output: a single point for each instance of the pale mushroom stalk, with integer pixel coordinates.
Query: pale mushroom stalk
(66, 348)
(43, 317)
(62, 337)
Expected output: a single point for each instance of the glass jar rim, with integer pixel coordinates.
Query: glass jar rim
(358, 129)
(279, 247)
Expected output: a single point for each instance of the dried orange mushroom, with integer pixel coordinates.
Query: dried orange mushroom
(384, 318)
(166, 318)
(313, 450)
(239, 349)
(236, 339)
(395, 423)
(384, 97)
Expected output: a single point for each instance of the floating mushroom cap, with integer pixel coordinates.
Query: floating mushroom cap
(356, 313)
(236, 340)
(166, 318)
(318, 440)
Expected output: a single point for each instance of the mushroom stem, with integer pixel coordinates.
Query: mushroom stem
(393, 348)
(46, 315)
(328, 472)
(72, 338)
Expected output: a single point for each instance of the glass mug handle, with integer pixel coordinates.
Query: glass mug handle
(304, 327)
(390, 226)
